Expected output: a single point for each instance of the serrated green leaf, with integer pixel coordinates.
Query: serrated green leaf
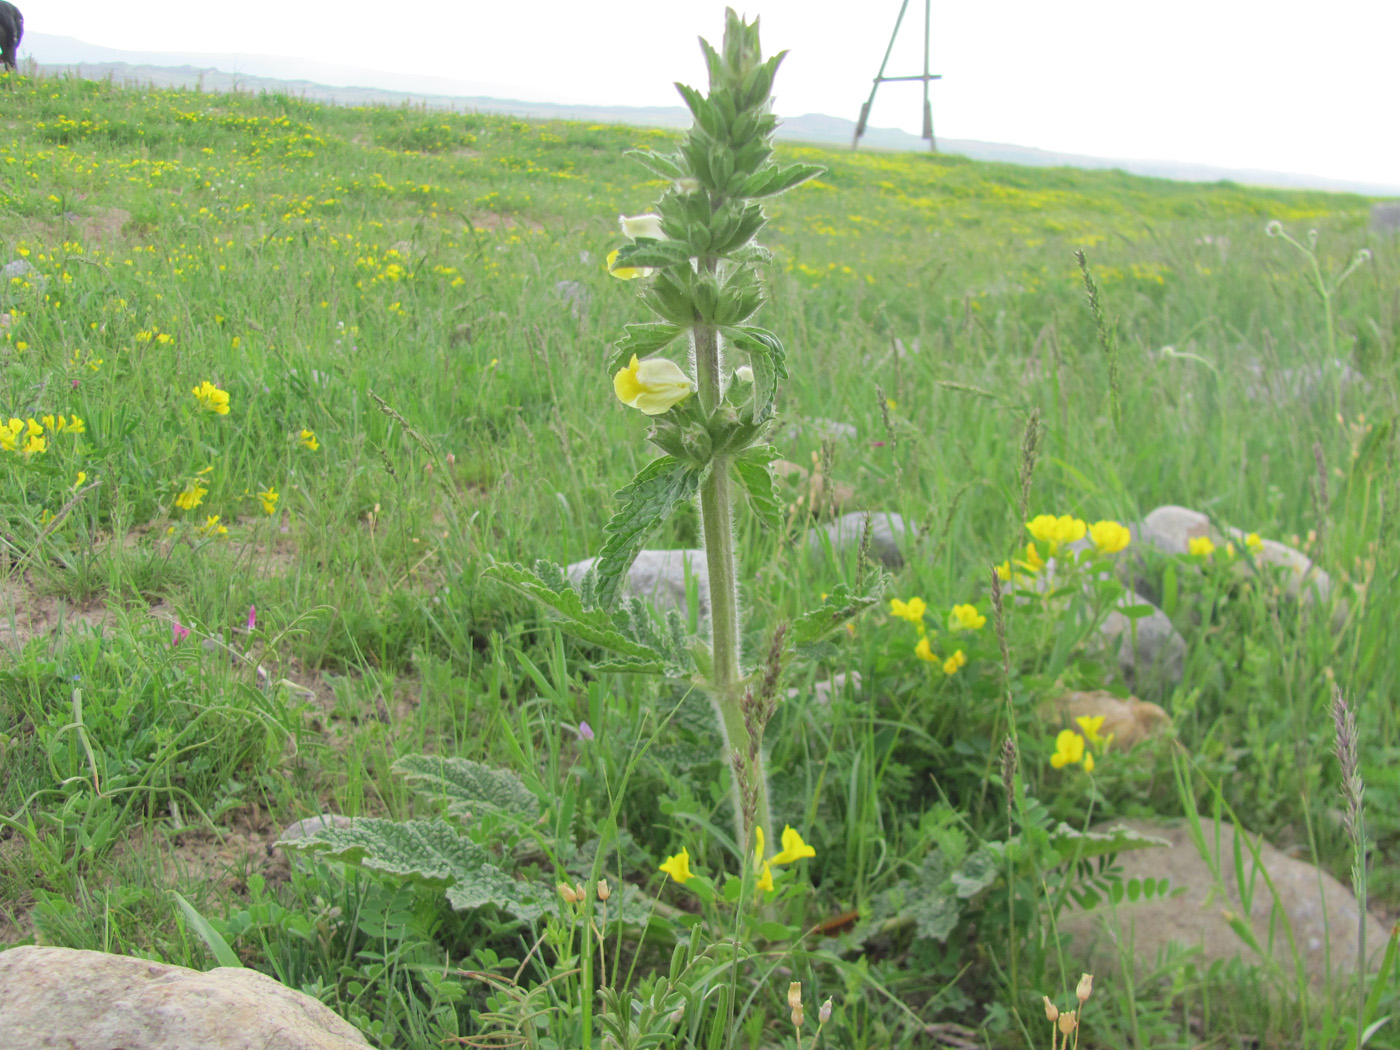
(656, 254)
(591, 625)
(641, 339)
(1070, 841)
(646, 502)
(658, 163)
(430, 853)
(469, 788)
(632, 667)
(757, 478)
(840, 605)
(771, 181)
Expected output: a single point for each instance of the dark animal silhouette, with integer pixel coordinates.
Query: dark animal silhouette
(11, 32)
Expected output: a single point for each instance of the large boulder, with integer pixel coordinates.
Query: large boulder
(1151, 654)
(66, 999)
(659, 578)
(1320, 910)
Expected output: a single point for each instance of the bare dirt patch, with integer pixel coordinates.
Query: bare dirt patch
(25, 614)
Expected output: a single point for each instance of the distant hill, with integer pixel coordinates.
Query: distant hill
(339, 84)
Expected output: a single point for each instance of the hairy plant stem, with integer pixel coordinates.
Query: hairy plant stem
(726, 685)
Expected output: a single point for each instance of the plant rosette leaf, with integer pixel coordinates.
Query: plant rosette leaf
(468, 788)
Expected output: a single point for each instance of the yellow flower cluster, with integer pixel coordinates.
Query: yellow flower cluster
(212, 398)
(1070, 746)
(962, 618)
(29, 436)
(794, 849)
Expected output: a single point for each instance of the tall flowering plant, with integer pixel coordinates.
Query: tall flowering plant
(707, 379)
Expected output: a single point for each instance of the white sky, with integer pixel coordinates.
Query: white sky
(1264, 84)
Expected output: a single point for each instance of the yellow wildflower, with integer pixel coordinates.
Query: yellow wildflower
(1089, 725)
(758, 849)
(678, 867)
(1200, 545)
(1109, 536)
(1004, 571)
(957, 660)
(765, 880)
(82, 476)
(212, 398)
(648, 225)
(1033, 561)
(211, 526)
(308, 438)
(794, 848)
(1054, 531)
(269, 500)
(966, 618)
(1088, 761)
(192, 496)
(36, 443)
(1069, 749)
(1253, 543)
(924, 652)
(652, 386)
(913, 610)
(76, 425)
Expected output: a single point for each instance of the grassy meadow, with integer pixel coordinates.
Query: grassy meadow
(219, 616)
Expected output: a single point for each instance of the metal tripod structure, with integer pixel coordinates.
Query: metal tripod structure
(880, 78)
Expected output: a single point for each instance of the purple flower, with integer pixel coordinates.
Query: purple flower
(252, 618)
(585, 731)
(178, 632)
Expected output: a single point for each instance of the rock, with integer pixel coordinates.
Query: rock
(1305, 383)
(1385, 217)
(889, 536)
(1170, 529)
(659, 577)
(576, 295)
(818, 429)
(1322, 912)
(308, 826)
(1151, 654)
(1130, 720)
(812, 488)
(66, 999)
(823, 691)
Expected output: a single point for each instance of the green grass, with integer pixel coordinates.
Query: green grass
(309, 259)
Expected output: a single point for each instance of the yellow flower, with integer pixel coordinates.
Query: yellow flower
(82, 476)
(1088, 761)
(626, 273)
(1004, 571)
(758, 848)
(1033, 561)
(765, 880)
(192, 496)
(76, 425)
(913, 610)
(211, 526)
(1201, 545)
(652, 386)
(957, 660)
(36, 443)
(793, 848)
(966, 618)
(1069, 749)
(308, 438)
(678, 867)
(1253, 543)
(1089, 725)
(212, 398)
(1054, 531)
(269, 500)
(924, 652)
(1109, 536)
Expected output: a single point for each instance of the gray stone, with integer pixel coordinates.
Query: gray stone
(1322, 912)
(308, 826)
(824, 689)
(659, 577)
(890, 537)
(67, 999)
(1385, 217)
(1303, 383)
(1150, 652)
(819, 430)
(1170, 529)
(576, 295)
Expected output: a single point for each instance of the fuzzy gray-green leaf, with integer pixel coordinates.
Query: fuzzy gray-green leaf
(769, 182)
(768, 360)
(642, 339)
(469, 788)
(646, 502)
(840, 605)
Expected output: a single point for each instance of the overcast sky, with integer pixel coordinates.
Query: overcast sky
(1264, 84)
